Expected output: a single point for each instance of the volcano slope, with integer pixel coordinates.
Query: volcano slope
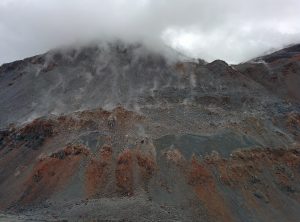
(117, 132)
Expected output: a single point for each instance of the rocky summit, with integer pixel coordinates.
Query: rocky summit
(122, 132)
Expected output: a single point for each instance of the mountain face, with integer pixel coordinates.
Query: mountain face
(119, 132)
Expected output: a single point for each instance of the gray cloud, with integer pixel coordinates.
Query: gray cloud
(232, 30)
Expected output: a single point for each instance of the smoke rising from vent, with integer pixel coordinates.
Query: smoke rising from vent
(232, 30)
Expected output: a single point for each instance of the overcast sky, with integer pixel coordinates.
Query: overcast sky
(232, 30)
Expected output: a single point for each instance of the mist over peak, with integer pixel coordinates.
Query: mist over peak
(233, 30)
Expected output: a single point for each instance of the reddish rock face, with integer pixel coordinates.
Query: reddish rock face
(256, 176)
(52, 173)
(147, 165)
(95, 177)
(204, 185)
(98, 171)
(124, 173)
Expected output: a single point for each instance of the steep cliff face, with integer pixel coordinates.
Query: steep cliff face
(118, 132)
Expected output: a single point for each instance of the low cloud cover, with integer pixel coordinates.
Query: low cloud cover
(232, 30)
